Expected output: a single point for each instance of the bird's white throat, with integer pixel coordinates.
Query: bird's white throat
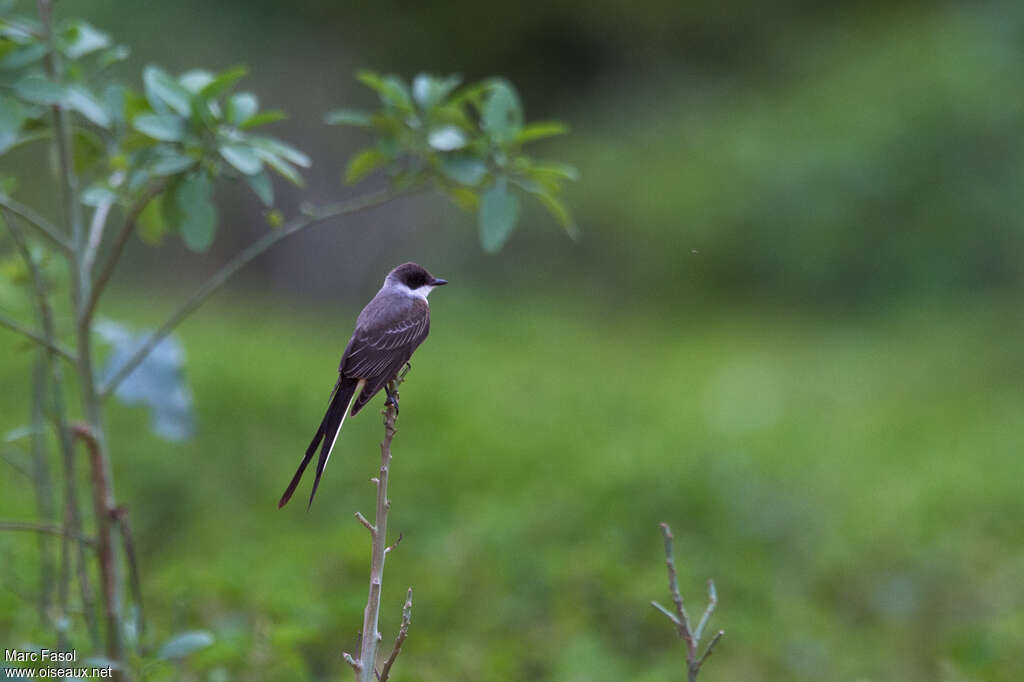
(418, 292)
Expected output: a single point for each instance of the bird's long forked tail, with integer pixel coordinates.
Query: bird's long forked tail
(326, 435)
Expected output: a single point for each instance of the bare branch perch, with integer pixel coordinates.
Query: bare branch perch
(680, 619)
(366, 667)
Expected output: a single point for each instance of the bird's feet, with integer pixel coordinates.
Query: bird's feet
(392, 399)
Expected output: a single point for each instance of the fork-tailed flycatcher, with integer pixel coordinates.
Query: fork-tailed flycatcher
(388, 330)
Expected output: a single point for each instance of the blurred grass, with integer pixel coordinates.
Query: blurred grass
(852, 484)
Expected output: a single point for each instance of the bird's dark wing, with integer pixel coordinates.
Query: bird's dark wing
(379, 349)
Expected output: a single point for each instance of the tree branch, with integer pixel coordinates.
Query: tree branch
(366, 667)
(46, 529)
(117, 248)
(680, 620)
(219, 278)
(96, 227)
(37, 222)
(104, 542)
(52, 346)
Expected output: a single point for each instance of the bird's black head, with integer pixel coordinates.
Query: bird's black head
(415, 277)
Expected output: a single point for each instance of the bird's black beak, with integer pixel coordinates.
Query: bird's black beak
(438, 282)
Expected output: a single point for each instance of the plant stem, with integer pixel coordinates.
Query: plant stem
(243, 258)
(38, 222)
(72, 514)
(680, 618)
(91, 405)
(116, 249)
(104, 542)
(366, 667)
(371, 637)
(43, 528)
(42, 481)
(49, 344)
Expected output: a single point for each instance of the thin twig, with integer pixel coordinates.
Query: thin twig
(45, 528)
(120, 515)
(369, 526)
(712, 603)
(711, 646)
(37, 222)
(96, 227)
(116, 249)
(105, 547)
(53, 346)
(219, 278)
(403, 632)
(680, 620)
(42, 480)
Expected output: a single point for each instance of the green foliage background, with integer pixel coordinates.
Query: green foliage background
(791, 329)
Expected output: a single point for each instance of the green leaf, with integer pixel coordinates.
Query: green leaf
(261, 186)
(39, 90)
(163, 127)
(171, 162)
(429, 91)
(223, 82)
(464, 198)
(391, 89)
(189, 207)
(363, 163)
(183, 644)
(278, 148)
(241, 107)
(163, 91)
(80, 38)
(560, 212)
(541, 130)
(98, 194)
(348, 117)
(465, 171)
(117, 53)
(282, 167)
(23, 55)
(88, 105)
(502, 115)
(263, 118)
(499, 210)
(88, 149)
(243, 158)
(446, 139)
(195, 80)
(550, 169)
(12, 115)
(151, 224)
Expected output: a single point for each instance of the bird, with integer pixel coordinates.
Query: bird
(388, 330)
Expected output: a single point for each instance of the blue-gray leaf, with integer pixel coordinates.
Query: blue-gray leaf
(499, 210)
(158, 382)
(447, 138)
(183, 644)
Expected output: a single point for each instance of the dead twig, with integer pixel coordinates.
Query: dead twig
(681, 620)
